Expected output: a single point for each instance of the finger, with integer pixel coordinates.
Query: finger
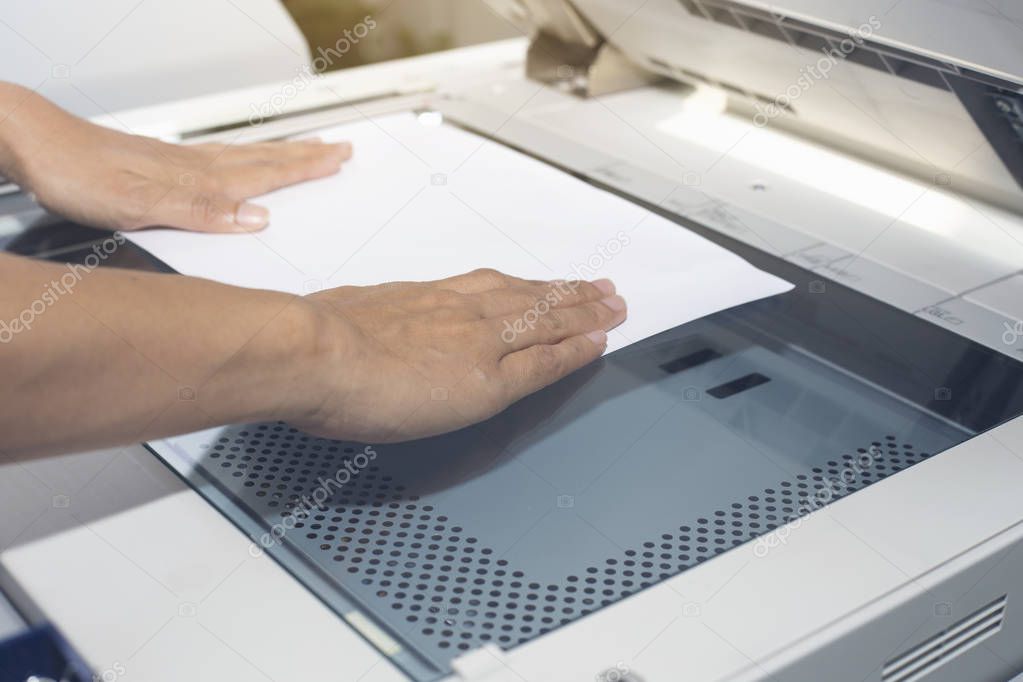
(553, 325)
(529, 370)
(543, 296)
(200, 212)
(253, 179)
(478, 281)
(246, 151)
(270, 152)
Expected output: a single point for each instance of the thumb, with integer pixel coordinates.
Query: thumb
(201, 212)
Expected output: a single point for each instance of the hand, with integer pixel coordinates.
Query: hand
(410, 360)
(104, 178)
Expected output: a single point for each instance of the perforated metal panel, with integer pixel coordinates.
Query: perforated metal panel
(446, 588)
(622, 476)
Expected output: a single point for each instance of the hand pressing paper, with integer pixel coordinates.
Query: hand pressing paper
(425, 202)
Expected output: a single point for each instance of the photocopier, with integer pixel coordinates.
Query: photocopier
(821, 485)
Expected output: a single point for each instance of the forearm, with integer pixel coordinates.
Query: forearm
(100, 357)
(12, 100)
(28, 122)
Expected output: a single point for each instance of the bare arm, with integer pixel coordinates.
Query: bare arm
(122, 356)
(101, 357)
(96, 357)
(106, 178)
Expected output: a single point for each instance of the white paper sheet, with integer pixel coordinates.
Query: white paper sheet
(422, 201)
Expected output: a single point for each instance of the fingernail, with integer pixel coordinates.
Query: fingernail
(606, 286)
(599, 338)
(615, 303)
(251, 215)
